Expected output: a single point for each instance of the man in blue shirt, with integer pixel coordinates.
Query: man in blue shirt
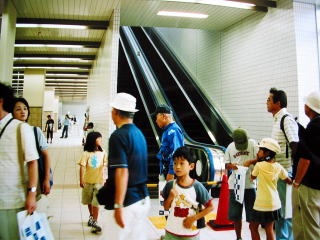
(172, 138)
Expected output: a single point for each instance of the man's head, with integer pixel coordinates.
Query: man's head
(123, 106)
(162, 115)
(183, 161)
(6, 98)
(277, 100)
(240, 138)
(312, 104)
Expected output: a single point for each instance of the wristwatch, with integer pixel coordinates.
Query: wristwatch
(32, 189)
(116, 205)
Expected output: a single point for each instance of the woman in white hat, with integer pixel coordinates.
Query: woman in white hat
(267, 205)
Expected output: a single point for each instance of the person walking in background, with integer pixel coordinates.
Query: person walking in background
(49, 128)
(183, 197)
(66, 124)
(306, 186)
(21, 111)
(237, 153)
(276, 104)
(127, 174)
(92, 163)
(13, 196)
(172, 138)
(87, 129)
(267, 205)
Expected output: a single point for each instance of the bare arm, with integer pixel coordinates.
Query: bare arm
(121, 185)
(188, 221)
(302, 169)
(167, 203)
(33, 180)
(81, 174)
(47, 166)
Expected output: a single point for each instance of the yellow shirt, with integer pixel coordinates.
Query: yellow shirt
(94, 163)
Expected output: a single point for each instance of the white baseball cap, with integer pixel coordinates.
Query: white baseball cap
(124, 102)
(313, 101)
(270, 144)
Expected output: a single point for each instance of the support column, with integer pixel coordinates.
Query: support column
(50, 107)
(7, 40)
(33, 92)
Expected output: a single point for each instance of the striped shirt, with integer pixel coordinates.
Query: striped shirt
(291, 129)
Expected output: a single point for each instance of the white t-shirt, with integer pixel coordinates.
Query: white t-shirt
(234, 156)
(12, 191)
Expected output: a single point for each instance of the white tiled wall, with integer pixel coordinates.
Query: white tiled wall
(103, 80)
(237, 67)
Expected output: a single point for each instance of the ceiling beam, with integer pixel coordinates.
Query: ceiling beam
(61, 55)
(85, 66)
(103, 25)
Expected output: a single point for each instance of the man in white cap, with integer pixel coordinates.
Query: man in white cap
(238, 153)
(128, 173)
(306, 192)
(288, 141)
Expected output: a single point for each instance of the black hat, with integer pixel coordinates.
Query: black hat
(162, 109)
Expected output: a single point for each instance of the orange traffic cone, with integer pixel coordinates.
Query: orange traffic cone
(222, 222)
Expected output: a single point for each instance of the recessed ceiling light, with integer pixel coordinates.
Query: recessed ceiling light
(48, 45)
(182, 14)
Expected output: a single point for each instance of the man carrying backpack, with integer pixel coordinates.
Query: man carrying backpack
(288, 141)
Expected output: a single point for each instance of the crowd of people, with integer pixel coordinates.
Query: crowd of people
(262, 176)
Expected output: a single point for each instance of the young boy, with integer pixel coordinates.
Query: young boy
(183, 196)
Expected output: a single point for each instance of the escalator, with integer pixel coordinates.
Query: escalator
(202, 123)
(134, 77)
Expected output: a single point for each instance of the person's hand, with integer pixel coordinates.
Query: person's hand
(46, 187)
(169, 177)
(31, 202)
(118, 217)
(81, 183)
(188, 222)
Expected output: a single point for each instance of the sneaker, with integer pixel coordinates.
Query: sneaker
(90, 222)
(95, 228)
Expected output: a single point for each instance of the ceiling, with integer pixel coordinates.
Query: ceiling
(69, 76)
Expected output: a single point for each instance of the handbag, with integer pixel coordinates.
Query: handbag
(105, 195)
(41, 169)
(34, 226)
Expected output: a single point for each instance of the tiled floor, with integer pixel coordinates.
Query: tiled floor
(68, 217)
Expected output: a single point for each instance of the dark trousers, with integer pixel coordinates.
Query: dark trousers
(65, 131)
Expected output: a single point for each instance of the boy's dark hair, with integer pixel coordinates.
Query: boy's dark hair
(90, 124)
(183, 152)
(279, 96)
(24, 101)
(90, 145)
(7, 96)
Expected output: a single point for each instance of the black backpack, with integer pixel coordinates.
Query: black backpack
(301, 134)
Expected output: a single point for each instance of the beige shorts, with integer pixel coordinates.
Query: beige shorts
(89, 194)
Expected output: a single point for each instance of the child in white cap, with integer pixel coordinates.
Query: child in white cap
(267, 205)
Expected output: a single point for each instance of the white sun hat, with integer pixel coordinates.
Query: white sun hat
(313, 101)
(271, 144)
(124, 102)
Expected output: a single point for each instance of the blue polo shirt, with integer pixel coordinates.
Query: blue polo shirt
(172, 138)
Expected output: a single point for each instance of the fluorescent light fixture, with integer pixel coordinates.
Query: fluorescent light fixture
(63, 74)
(48, 45)
(225, 3)
(52, 58)
(48, 67)
(33, 25)
(182, 14)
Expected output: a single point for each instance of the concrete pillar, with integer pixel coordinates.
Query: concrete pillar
(7, 40)
(49, 107)
(33, 92)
